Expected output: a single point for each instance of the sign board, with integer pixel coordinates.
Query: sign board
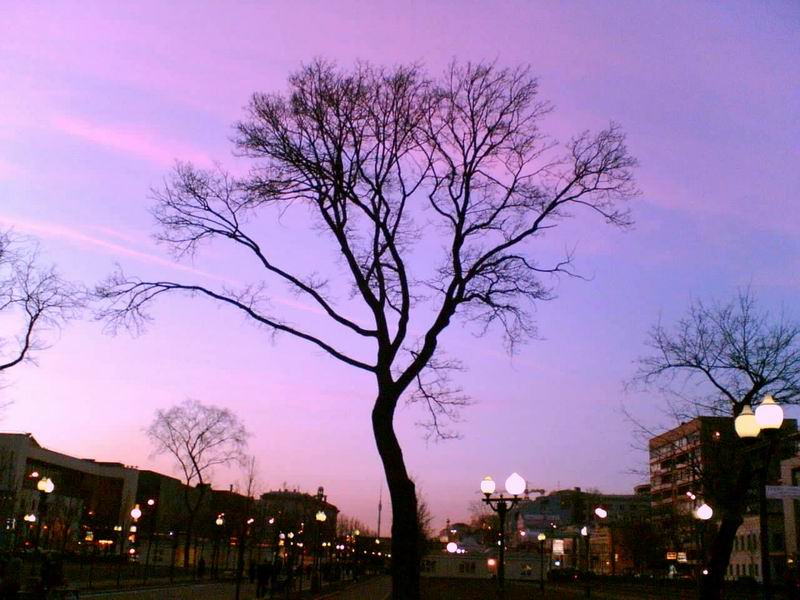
(558, 547)
(783, 491)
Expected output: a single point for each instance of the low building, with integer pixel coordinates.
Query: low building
(90, 501)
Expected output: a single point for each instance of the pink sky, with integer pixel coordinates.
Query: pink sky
(97, 99)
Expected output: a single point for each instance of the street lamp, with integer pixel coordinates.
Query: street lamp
(702, 513)
(600, 513)
(46, 487)
(152, 519)
(320, 517)
(768, 418)
(515, 486)
(541, 537)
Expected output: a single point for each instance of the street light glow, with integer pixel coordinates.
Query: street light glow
(769, 414)
(452, 547)
(488, 486)
(136, 512)
(746, 424)
(541, 537)
(515, 484)
(601, 512)
(704, 512)
(46, 485)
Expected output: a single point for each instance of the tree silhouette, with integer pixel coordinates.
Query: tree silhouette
(33, 298)
(199, 437)
(381, 158)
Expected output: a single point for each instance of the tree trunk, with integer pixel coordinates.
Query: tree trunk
(405, 525)
(720, 557)
(721, 547)
(187, 543)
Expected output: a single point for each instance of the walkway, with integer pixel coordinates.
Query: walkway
(375, 588)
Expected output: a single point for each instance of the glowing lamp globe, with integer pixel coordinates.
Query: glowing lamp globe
(321, 516)
(515, 484)
(601, 512)
(452, 547)
(746, 424)
(219, 521)
(541, 537)
(45, 485)
(136, 512)
(151, 502)
(769, 414)
(704, 512)
(584, 531)
(488, 486)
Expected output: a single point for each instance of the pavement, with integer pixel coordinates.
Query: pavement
(375, 588)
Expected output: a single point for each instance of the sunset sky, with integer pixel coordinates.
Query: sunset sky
(98, 99)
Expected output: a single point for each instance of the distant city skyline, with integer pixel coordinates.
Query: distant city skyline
(98, 103)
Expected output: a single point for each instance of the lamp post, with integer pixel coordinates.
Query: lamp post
(767, 418)
(320, 518)
(219, 522)
(515, 485)
(600, 513)
(45, 486)
(541, 537)
(152, 517)
(702, 513)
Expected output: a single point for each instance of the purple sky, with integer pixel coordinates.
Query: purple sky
(97, 99)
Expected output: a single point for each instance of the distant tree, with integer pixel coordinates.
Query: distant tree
(425, 520)
(199, 437)
(347, 525)
(246, 525)
(484, 522)
(33, 299)
(380, 159)
(718, 359)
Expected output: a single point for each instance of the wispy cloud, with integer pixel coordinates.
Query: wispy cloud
(135, 141)
(48, 229)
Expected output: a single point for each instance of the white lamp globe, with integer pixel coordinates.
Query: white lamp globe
(541, 537)
(452, 547)
(321, 516)
(45, 485)
(704, 512)
(746, 424)
(136, 513)
(515, 484)
(584, 531)
(769, 414)
(488, 486)
(601, 512)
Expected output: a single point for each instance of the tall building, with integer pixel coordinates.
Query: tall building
(694, 462)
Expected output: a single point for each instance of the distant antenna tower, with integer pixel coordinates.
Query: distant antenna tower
(380, 509)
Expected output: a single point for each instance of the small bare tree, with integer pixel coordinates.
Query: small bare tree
(718, 359)
(33, 298)
(199, 437)
(381, 158)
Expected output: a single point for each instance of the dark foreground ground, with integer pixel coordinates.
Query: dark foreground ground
(378, 588)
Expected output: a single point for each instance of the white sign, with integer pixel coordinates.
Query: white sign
(783, 491)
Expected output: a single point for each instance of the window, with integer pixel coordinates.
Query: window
(466, 567)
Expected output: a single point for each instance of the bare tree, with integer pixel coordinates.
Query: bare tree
(33, 298)
(199, 437)
(718, 359)
(246, 521)
(380, 158)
